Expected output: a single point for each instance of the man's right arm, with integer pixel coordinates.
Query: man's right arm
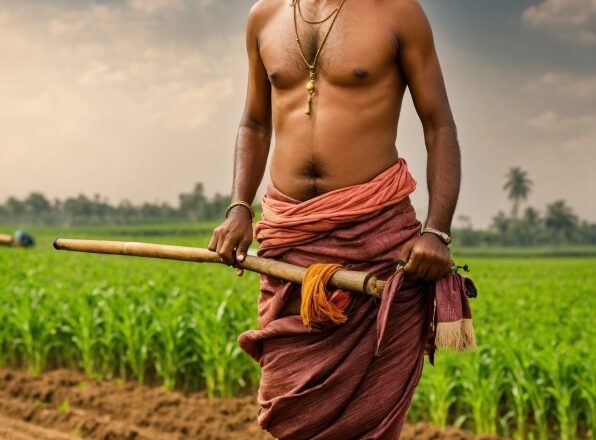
(234, 235)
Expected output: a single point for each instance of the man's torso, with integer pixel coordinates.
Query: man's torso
(349, 137)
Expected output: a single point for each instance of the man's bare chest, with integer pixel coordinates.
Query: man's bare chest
(357, 52)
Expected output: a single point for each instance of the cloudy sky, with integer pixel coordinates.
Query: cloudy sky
(139, 99)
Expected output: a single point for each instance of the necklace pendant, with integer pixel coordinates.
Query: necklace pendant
(308, 107)
(310, 86)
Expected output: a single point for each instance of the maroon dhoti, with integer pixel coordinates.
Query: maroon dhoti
(353, 380)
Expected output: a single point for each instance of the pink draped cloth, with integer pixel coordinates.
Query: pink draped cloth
(353, 380)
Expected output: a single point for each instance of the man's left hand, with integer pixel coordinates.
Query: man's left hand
(427, 257)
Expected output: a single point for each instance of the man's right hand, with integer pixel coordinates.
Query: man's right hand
(233, 237)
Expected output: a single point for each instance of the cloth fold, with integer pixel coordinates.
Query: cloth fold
(286, 222)
(353, 380)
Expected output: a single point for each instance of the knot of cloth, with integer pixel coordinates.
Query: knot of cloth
(317, 306)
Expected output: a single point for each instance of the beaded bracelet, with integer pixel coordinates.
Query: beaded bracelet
(241, 203)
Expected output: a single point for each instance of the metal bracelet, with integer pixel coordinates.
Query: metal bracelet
(241, 203)
(446, 238)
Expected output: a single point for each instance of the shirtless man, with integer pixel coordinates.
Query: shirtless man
(353, 374)
(375, 50)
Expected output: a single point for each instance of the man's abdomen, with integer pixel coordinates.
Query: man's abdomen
(340, 148)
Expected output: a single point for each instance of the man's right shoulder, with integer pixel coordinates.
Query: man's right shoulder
(262, 10)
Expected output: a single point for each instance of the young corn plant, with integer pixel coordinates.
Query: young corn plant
(34, 322)
(172, 339)
(517, 384)
(440, 393)
(588, 395)
(137, 330)
(482, 389)
(112, 340)
(216, 350)
(82, 327)
(538, 399)
(564, 391)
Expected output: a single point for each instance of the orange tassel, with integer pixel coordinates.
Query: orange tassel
(315, 307)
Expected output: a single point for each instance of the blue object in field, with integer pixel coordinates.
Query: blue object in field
(23, 239)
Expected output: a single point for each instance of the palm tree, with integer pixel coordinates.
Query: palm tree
(531, 217)
(560, 219)
(518, 186)
(530, 227)
(501, 224)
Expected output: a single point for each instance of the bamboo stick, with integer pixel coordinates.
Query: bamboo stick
(5, 240)
(363, 282)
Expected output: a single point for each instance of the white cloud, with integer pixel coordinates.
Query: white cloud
(564, 84)
(572, 133)
(551, 121)
(585, 143)
(570, 118)
(100, 87)
(545, 121)
(103, 60)
(152, 6)
(158, 6)
(58, 27)
(573, 20)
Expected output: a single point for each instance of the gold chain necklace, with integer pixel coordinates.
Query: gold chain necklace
(310, 85)
(315, 22)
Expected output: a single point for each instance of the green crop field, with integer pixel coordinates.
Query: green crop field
(533, 374)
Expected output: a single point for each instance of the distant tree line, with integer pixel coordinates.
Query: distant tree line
(37, 209)
(557, 225)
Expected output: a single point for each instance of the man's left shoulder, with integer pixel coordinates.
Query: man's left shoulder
(407, 17)
(402, 12)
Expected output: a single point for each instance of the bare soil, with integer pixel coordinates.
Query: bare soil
(66, 405)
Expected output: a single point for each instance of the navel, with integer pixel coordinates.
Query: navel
(312, 169)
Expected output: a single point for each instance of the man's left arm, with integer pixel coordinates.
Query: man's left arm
(428, 256)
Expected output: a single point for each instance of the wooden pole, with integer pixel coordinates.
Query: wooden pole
(5, 240)
(363, 282)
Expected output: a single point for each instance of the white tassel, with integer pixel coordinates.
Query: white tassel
(456, 335)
